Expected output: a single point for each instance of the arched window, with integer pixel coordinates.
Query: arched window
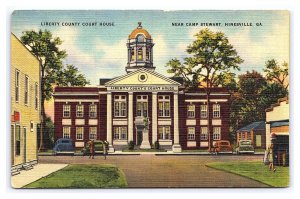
(140, 54)
(140, 38)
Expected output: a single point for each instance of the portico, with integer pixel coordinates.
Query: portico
(148, 98)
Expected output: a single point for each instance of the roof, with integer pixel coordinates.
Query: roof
(260, 125)
(139, 30)
(280, 123)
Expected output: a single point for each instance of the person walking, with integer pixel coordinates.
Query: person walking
(271, 158)
(92, 149)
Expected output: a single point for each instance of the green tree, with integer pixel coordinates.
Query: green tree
(276, 72)
(46, 48)
(70, 76)
(212, 56)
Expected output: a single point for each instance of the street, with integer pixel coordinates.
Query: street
(149, 170)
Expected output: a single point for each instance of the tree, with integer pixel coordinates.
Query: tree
(212, 56)
(70, 76)
(46, 48)
(277, 73)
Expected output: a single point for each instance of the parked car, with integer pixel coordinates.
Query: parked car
(63, 146)
(100, 147)
(245, 146)
(222, 146)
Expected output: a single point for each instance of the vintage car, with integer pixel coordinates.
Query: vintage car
(222, 146)
(244, 146)
(100, 147)
(63, 146)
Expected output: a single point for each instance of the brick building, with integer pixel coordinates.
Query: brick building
(142, 106)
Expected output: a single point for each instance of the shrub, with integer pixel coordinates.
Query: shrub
(156, 145)
(131, 145)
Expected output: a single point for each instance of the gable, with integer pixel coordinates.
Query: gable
(142, 77)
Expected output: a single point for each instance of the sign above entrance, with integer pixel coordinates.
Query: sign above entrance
(142, 88)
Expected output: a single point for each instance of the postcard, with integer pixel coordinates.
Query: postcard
(149, 99)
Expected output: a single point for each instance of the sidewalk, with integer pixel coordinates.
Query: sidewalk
(38, 171)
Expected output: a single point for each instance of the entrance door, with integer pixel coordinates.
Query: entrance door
(139, 137)
(24, 130)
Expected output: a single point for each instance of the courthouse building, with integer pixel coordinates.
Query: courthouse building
(142, 106)
(25, 104)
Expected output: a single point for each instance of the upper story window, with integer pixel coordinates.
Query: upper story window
(79, 110)
(164, 105)
(120, 109)
(142, 105)
(204, 134)
(203, 111)
(17, 86)
(36, 96)
(93, 110)
(216, 110)
(132, 55)
(140, 54)
(191, 111)
(66, 110)
(66, 132)
(26, 90)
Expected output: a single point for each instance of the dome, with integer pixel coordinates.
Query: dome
(139, 30)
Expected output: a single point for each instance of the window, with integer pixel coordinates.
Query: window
(79, 133)
(66, 110)
(216, 110)
(36, 96)
(17, 86)
(140, 54)
(148, 54)
(191, 133)
(164, 105)
(204, 134)
(191, 111)
(203, 111)
(217, 133)
(31, 126)
(18, 140)
(79, 110)
(142, 105)
(93, 110)
(120, 106)
(93, 133)
(120, 133)
(66, 132)
(26, 90)
(132, 54)
(140, 38)
(164, 132)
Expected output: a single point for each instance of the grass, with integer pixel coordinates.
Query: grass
(256, 171)
(144, 150)
(83, 176)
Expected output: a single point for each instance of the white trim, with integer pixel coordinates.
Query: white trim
(165, 142)
(164, 122)
(204, 122)
(154, 117)
(120, 142)
(102, 92)
(109, 131)
(93, 121)
(204, 94)
(79, 144)
(130, 116)
(191, 144)
(76, 100)
(74, 93)
(66, 122)
(117, 122)
(204, 100)
(216, 122)
(218, 100)
(176, 119)
(191, 122)
(203, 144)
(79, 121)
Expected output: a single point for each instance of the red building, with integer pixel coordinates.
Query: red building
(142, 106)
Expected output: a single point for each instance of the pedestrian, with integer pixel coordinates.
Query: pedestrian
(271, 159)
(92, 149)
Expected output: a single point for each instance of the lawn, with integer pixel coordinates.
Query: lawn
(83, 176)
(145, 150)
(256, 171)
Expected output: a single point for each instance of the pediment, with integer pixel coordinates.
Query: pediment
(142, 77)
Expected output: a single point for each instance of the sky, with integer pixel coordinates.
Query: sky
(101, 52)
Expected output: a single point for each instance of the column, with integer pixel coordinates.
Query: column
(176, 146)
(154, 117)
(109, 122)
(130, 116)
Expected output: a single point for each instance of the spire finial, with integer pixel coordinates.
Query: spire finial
(140, 25)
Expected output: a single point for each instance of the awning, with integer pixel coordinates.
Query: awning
(277, 124)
